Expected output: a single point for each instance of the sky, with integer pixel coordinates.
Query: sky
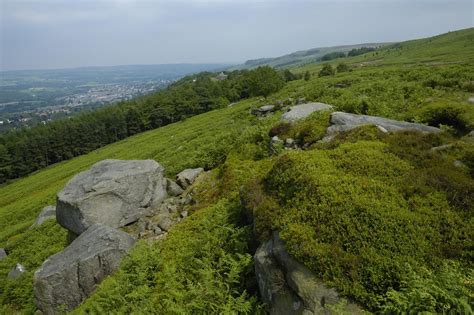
(48, 34)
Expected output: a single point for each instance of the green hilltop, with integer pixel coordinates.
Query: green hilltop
(383, 218)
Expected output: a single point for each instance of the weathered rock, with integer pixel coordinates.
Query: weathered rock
(48, 212)
(345, 121)
(172, 188)
(301, 100)
(112, 192)
(471, 100)
(290, 143)
(3, 253)
(16, 272)
(164, 222)
(264, 110)
(68, 277)
(187, 177)
(288, 287)
(184, 214)
(271, 283)
(302, 111)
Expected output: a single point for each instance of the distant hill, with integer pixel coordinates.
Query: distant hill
(302, 57)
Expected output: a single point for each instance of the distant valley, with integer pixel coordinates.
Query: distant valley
(29, 97)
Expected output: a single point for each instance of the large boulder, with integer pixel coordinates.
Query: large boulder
(48, 212)
(68, 277)
(112, 192)
(341, 121)
(187, 177)
(302, 111)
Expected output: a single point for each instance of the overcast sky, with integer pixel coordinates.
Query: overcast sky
(41, 34)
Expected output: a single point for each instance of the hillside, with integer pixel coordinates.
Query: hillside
(302, 57)
(380, 216)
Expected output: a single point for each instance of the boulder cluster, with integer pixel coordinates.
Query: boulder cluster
(105, 209)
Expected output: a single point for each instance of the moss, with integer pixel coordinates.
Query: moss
(362, 213)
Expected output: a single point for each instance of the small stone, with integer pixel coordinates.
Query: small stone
(16, 272)
(157, 231)
(48, 212)
(172, 188)
(458, 163)
(471, 100)
(382, 129)
(184, 214)
(187, 177)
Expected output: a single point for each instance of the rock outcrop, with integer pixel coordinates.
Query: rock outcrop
(341, 122)
(302, 111)
(48, 212)
(16, 272)
(187, 177)
(112, 192)
(3, 253)
(288, 287)
(67, 278)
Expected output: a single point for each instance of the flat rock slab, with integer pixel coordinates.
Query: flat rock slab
(302, 111)
(187, 177)
(68, 277)
(341, 121)
(48, 212)
(112, 192)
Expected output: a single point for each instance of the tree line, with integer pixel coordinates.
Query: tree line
(27, 150)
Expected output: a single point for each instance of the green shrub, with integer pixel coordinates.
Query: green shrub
(362, 215)
(327, 70)
(460, 117)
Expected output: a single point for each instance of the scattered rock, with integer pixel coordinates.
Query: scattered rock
(344, 121)
(458, 163)
(302, 111)
(3, 254)
(164, 222)
(471, 100)
(288, 287)
(48, 212)
(112, 192)
(264, 110)
(276, 145)
(184, 214)
(157, 231)
(442, 147)
(16, 272)
(290, 143)
(187, 177)
(172, 188)
(68, 277)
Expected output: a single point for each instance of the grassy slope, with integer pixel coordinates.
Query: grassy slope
(383, 88)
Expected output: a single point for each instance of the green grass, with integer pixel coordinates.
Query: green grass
(333, 203)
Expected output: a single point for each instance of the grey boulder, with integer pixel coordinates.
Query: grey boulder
(302, 111)
(16, 272)
(341, 121)
(48, 212)
(187, 177)
(112, 192)
(68, 277)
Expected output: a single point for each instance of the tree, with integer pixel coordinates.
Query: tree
(289, 76)
(342, 67)
(264, 81)
(327, 70)
(307, 76)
